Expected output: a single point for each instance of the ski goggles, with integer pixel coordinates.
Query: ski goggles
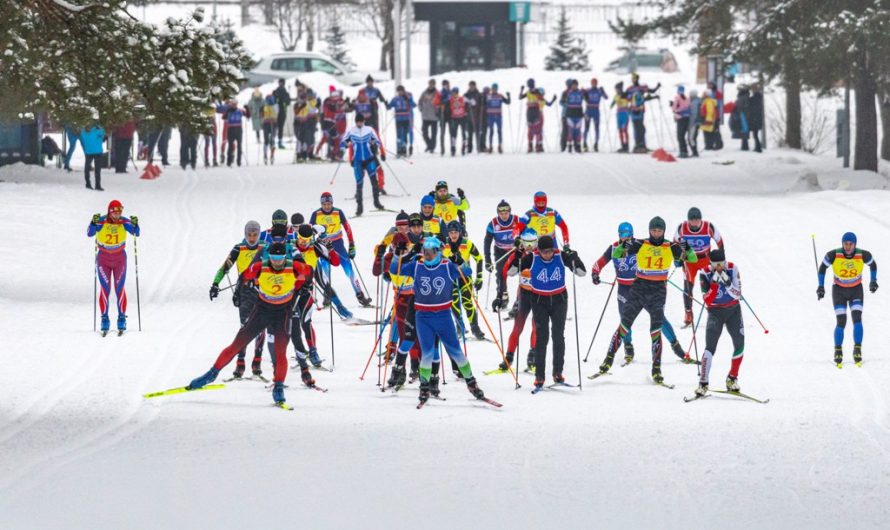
(277, 257)
(504, 209)
(116, 209)
(279, 221)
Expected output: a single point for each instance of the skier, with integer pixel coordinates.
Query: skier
(432, 302)
(698, 235)
(374, 96)
(682, 111)
(433, 225)
(549, 300)
(494, 105)
(527, 244)
(500, 232)
(335, 223)
(572, 103)
(276, 278)
(638, 94)
(92, 139)
(654, 256)
(625, 275)
(622, 116)
(241, 256)
(269, 114)
(476, 107)
(442, 102)
(403, 308)
(428, 114)
(447, 207)
(543, 220)
(722, 290)
(404, 109)
(534, 115)
(386, 244)
(456, 245)
(847, 263)
(362, 140)
(110, 231)
(593, 96)
(279, 217)
(232, 117)
(306, 111)
(563, 126)
(415, 229)
(458, 119)
(282, 99)
(333, 112)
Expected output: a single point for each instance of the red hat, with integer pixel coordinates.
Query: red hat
(331, 88)
(400, 238)
(402, 219)
(115, 205)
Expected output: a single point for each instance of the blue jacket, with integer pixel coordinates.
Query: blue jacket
(93, 140)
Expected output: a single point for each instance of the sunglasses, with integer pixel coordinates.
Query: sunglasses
(116, 210)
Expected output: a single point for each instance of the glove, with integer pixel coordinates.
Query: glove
(684, 245)
(595, 277)
(820, 293)
(722, 278)
(352, 251)
(386, 276)
(96, 218)
(457, 259)
(328, 244)
(402, 246)
(478, 284)
(496, 305)
(383, 156)
(214, 291)
(678, 264)
(460, 193)
(508, 94)
(134, 220)
(381, 250)
(566, 249)
(432, 194)
(236, 299)
(489, 266)
(516, 242)
(873, 286)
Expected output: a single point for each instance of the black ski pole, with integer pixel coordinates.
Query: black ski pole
(600, 320)
(393, 173)
(136, 260)
(333, 355)
(95, 282)
(359, 272)
(577, 335)
(815, 256)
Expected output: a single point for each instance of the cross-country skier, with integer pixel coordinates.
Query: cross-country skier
(362, 140)
(526, 245)
(534, 115)
(622, 116)
(279, 217)
(654, 258)
(847, 263)
(572, 102)
(638, 94)
(593, 96)
(625, 275)
(335, 223)
(547, 277)
(494, 115)
(276, 278)
(404, 109)
(448, 207)
(375, 97)
(433, 225)
(543, 220)
(434, 280)
(459, 119)
(722, 290)
(456, 244)
(403, 309)
(269, 115)
(110, 232)
(241, 257)
(233, 117)
(500, 231)
(698, 235)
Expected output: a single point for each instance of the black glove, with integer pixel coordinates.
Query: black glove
(873, 286)
(402, 246)
(432, 194)
(383, 156)
(478, 284)
(96, 218)
(328, 244)
(381, 250)
(386, 276)
(134, 220)
(820, 293)
(236, 299)
(516, 242)
(566, 249)
(595, 277)
(460, 193)
(496, 305)
(457, 259)
(214, 291)
(489, 266)
(684, 245)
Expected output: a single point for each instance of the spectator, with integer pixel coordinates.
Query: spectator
(121, 143)
(428, 113)
(188, 147)
(210, 135)
(755, 116)
(282, 97)
(709, 115)
(694, 121)
(256, 111)
(738, 119)
(93, 140)
(718, 98)
(73, 135)
(681, 107)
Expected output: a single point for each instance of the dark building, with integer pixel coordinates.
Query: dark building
(470, 35)
(19, 142)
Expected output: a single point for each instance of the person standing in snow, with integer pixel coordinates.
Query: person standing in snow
(494, 112)
(694, 121)
(282, 98)
(622, 116)
(233, 117)
(593, 96)
(362, 139)
(476, 110)
(428, 116)
(682, 111)
(269, 115)
(122, 142)
(255, 106)
(404, 109)
(110, 232)
(93, 141)
(534, 115)
(755, 119)
(572, 104)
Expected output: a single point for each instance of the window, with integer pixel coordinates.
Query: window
(290, 64)
(320, 65)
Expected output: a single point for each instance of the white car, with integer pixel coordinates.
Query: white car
(291, 64)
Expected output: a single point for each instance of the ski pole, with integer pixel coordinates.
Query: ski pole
(815, 256)
(395, 303)
(393, 173)
(336, 170)
(577, 335)
(333, 355)
(488, 290)
(694, 299)
(354, 266)
(95, 282)
(402, 158)
(136, 261)
(694, 342)
(765, 331)
(374, 348)
(500, 326)
(609, 297)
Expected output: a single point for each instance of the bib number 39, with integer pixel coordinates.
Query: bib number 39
(427, 286)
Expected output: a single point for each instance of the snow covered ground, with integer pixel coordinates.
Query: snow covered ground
(80, 447)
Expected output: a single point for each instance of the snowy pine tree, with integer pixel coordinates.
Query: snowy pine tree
(567, 53)
(336, 44)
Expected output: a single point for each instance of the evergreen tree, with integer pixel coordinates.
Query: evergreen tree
(336, 44)
(567, 53)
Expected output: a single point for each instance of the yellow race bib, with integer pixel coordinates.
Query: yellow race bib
(245, 258)
(331, 222)
(446, 211)
(111, 237)
(654, 262)
(544, 225)
(848, 271)
(277, 287)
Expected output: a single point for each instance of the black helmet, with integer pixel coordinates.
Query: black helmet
(546, 243)
(277, 251)
(454, 226)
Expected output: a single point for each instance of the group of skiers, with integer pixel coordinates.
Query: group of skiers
(705, 113)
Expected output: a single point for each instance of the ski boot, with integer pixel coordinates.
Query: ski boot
(434, 385)
(513, 310)
(531, 148)
(857, 354)
(530, 361)
(732, 384)
(255, 365)
(490, 149)
(559, 378)
(106, 324)
(687, 318)
(314, 358)
(203, 380)
(596, 147)
(607, 363)
(477, 332)
(363, 300)
(239, 369)
(585, 147)
(453, 150)
(656, 374)
(306, 376)
(397, 378)
(424, 392)
(702, 389)
(628, 354)
(415, 370)
(838, 356)
(474, 388)
(505, 366)
(122, 323)
(278, 392)
(500, 149)
(577, 147)
(539, 148)
(539, 384)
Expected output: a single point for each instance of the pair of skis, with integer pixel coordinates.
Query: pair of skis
(696, 397)
(553, 387)
(486, 400)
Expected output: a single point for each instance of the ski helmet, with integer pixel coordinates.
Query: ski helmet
(426, 200)
(327, 197)
(694, 214)
(849, 236)
(717, 256)
(529, 238)
(625, 229)
(540, 200)
(115, 206)
(279, 217)
(277, 251)
(432, 251)
(531, 83)
(455, 226)
(251, 227)
(441, 185)
(657, 223)
(546, 243)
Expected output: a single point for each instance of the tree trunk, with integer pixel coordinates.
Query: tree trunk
(865, 151)
(792, 105)
(310, 26)
(269, 12)
(885, 123)
(245, 12)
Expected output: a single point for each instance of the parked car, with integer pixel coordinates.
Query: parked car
(642, 60)
(290, 64)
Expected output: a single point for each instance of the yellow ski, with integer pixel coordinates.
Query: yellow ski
(182, 390)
